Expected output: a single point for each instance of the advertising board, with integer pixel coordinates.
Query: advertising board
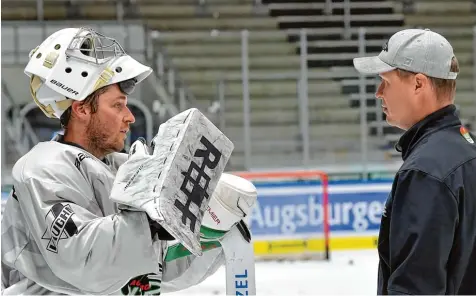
(288, 218)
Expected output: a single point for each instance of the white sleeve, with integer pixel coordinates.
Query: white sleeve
(182, 270)
(90, 253)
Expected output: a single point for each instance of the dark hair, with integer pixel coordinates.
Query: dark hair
(91, 100)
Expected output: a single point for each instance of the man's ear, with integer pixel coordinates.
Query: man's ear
(80, 111)
(421, 83)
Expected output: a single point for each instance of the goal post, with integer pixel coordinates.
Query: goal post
(292, 195)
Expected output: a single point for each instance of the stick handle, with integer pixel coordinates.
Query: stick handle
(239, 263)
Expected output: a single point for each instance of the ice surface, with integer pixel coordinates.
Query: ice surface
(348, 273)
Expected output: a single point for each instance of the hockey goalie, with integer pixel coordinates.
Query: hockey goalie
(84, 218)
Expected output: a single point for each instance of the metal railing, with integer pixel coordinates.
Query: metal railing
(21, 36)
(169, 74)
(19, 130)
(179, 97)
(17, 37)
(301, 76)
(182, 97)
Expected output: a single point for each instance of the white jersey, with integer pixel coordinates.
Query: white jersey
(62, 234)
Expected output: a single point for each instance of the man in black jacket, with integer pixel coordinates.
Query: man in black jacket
(428, 229)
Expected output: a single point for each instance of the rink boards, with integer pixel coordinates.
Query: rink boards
(288, 217)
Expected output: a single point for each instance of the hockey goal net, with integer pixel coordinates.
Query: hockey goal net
(291, 217)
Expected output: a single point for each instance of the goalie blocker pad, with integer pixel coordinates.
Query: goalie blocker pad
(190, 154)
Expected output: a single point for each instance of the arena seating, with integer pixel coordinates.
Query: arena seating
(203, 56)
(455, 21)
(203, 40)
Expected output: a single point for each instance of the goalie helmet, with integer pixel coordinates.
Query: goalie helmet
(72, 63)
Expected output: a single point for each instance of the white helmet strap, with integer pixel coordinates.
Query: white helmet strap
(49, 110)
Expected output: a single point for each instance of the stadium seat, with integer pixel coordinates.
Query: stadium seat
(203, 42)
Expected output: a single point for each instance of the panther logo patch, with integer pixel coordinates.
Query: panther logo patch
(147, 284)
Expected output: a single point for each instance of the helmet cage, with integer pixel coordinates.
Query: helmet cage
(93, 47)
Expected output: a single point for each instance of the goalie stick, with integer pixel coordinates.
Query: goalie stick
(239, 261)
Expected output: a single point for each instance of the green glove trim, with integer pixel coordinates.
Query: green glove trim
(208, 233)
(179, 251)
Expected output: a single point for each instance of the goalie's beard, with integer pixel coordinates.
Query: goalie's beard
(103, 139)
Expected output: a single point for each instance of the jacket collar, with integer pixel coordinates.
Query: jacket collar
(437, 120)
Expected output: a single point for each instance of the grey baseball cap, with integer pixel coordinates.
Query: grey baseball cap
(414, 50)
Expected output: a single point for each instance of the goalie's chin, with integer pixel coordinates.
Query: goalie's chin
(119, 146)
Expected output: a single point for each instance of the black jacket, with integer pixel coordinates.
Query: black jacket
(427, 240)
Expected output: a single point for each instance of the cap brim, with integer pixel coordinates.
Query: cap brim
(372, 65)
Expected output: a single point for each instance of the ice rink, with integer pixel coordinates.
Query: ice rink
(348, 273)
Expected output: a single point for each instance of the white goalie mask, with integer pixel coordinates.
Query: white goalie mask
(72, 63)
